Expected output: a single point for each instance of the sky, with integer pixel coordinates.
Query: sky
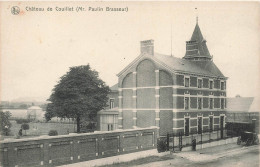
(37, 48)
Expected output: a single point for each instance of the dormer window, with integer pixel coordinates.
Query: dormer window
(222, 86)
(210, 84)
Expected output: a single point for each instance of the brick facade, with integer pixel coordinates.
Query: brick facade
(160, 101)
(164, 91)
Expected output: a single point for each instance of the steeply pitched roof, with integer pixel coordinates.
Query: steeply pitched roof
(197, 39)
(198, 67)
(239, 104)
(197, 35)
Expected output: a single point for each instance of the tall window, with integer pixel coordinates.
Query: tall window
(111, 103)
(210, 84)
(186, 103)
(199, 125)
(187, 82)
(222, 122)
(211, 103)
(199, 103)
(222, 104)
(222, 86)
(110, 127)
(200, 83)
(187, 126)
(211, 123)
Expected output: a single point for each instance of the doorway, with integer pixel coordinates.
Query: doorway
(187, 126)
(222, 127)
(199, 125)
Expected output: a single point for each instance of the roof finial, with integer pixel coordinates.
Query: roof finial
(197, 17)
(171, 38)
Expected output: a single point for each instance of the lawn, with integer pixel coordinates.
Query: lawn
(42, 128)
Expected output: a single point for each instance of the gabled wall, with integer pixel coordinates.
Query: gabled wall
(152, 95)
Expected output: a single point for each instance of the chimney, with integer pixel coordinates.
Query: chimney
(147, 47)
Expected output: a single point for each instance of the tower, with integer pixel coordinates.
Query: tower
(196, 47)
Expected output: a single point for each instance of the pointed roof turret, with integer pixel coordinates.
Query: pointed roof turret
(196, 48)
(196, 35)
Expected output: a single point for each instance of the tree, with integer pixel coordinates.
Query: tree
(79, 93)
(53, 133)
(25, 127)
(43, 106)
(5, 123)
(23, 106)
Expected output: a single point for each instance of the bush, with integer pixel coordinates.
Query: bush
(25, 127)
(22, 121)
(91, 126)
(53, 133)
(161, 145)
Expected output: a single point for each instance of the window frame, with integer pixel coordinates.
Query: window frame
(200, 103)
(222, 85)
(211, 86)
(187, 84)
(211, 124)
(222, 103)
(211, 100)
(185, 104)
(188, 128)
(200, 84)
(199, 117)
(113, 102)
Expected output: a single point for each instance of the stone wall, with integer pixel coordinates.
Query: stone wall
(66, 149)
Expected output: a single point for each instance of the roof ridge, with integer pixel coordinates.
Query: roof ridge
(199, 67)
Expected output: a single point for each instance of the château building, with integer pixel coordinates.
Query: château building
(175, 94)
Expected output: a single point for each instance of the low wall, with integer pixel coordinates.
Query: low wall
(66, 149)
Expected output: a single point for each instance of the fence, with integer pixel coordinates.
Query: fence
(65, 149)
(176, 141)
